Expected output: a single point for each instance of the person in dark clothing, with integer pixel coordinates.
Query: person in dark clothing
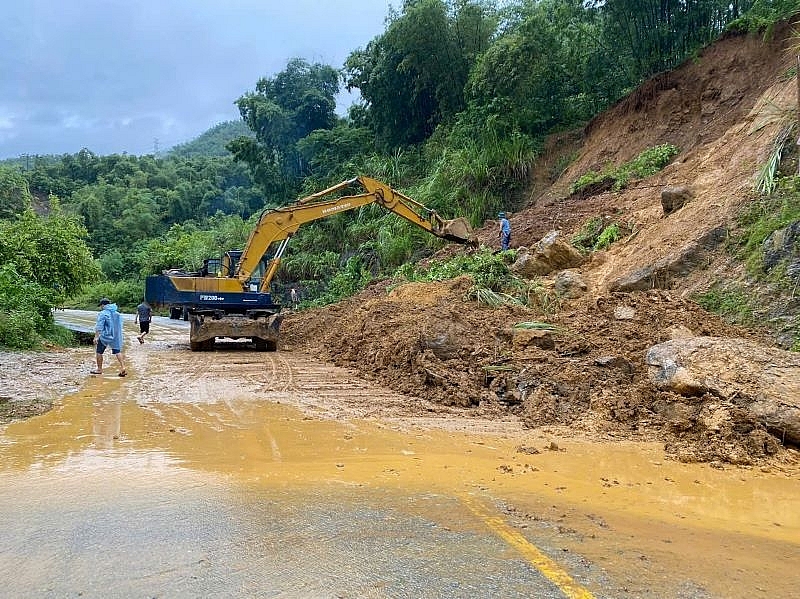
(204, 268)
(144, 314)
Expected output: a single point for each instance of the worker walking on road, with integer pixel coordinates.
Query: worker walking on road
(108, 333)
(144, 314)
(505, 231)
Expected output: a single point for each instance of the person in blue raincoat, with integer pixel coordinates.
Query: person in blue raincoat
(108, 333)
(505, 231)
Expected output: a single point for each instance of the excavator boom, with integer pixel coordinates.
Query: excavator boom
(281, 223)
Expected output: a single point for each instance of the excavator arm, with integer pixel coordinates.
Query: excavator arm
(280, 224)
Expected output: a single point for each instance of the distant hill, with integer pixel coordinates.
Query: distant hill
(212, 142)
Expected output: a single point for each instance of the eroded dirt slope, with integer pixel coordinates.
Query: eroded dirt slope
(590, 374)
(718, 110)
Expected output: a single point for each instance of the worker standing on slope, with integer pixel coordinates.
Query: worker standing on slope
(505, 231)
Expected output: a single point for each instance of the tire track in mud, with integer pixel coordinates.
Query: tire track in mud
(215, 387)
(165, 372)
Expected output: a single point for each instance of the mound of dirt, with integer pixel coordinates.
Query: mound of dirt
(585, 367)
(586, 370)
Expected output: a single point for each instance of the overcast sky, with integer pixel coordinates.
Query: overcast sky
(114, 76)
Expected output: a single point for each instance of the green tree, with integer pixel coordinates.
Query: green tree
(50, 251)
(412, 77)
(280, 112)
(539, 74)
(650, 36)
(329, 153)
(15, 196)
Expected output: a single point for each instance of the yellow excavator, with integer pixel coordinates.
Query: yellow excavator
(231, 298)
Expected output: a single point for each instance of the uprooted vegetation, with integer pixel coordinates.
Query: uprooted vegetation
(615, 178)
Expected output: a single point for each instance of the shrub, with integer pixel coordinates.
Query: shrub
(608, 236)
(648, 163)
(126, 294)
(19, 330)
(587, 235)
(488, 269)
(60, 336)
(593, 236)
(594, 180)
(24, 310)
(345, 283)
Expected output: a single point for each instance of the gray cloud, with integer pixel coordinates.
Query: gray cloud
(113, 76)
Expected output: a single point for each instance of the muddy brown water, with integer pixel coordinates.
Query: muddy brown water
(235, 473)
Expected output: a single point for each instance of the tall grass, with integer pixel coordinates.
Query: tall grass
(476, 177)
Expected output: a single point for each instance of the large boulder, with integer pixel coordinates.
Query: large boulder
(569, 284)
(552, 253)
(661, 273)
(675, 198)
(763, 380)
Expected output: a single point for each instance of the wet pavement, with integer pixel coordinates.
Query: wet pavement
(235, 473)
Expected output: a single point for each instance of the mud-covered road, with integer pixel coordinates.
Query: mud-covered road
(242, 474)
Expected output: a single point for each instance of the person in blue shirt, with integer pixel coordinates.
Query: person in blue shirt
(505, 231)
(108, 333)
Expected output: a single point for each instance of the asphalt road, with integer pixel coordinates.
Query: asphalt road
(237, 473)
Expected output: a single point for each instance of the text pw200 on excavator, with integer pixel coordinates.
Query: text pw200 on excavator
(238, 304)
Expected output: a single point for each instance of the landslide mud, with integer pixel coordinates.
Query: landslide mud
(427, 341)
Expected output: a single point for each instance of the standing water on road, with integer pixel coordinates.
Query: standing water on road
(236, 473)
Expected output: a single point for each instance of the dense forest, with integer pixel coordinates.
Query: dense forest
(456, 98)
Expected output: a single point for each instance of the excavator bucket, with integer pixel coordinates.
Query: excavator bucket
(458, 230)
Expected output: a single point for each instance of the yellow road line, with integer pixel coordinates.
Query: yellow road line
(549, 569)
